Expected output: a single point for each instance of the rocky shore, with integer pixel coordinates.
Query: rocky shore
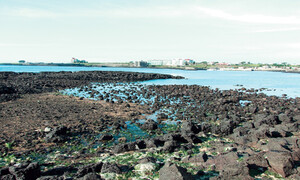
(101, 125)
(12, 84)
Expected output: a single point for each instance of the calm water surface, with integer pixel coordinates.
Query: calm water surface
(276, 83)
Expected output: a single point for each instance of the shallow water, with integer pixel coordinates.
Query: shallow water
(276, 83)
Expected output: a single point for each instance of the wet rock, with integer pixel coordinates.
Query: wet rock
(170, 146)
(147, 160)
(90, 176)
(8, 177)
(25, 171)
(150, 125)
(235, 171)
(154, 142)
(187, 147)
(4, 89)
(122, 140)
(173, 137)
(261, 119)
(120, 148)
(191, 138)
(111, 168)
(173, 172)
(189, 127)
(57, 135)
(278, 144)
(106, 137)
(48, 178)
(162, 116)
(199, 158)
(91, 168)
(257, 161)
(278, 132)
(296, 155)
(261, 133)
(58, 171)
(281, 163)
(4, 171)
(205, 127)
(284, 118)
(227, 126)
(223, 159)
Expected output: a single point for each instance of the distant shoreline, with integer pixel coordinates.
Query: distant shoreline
(120, 65)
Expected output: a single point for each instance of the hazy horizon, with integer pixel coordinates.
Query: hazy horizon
(259, 31)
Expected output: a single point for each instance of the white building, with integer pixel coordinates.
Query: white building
(169, 62)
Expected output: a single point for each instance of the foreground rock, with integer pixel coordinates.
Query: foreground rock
(173, 172)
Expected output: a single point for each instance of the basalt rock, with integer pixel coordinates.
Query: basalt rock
(120, 148)
(150, 125)
(91, 168)
(12, 83)
(173, 172)
(199, 158)
(25, 171)
(235, 171)
(91, 176)
(281, 162)
(57, 135)
(106, 137)
(58, 171)
(189, 127)
(111, 168)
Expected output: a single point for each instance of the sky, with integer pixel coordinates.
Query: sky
(265, 31)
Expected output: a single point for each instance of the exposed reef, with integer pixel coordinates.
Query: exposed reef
(94, 125)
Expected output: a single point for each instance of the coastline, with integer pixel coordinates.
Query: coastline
(116, 128)
(153, 67)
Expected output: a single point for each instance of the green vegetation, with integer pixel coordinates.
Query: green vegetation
(9, 145)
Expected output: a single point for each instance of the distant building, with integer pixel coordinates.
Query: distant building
(140, 64)
(75, 60)
(171, 62)
(22, 61)
(189, 62)
(156, 62)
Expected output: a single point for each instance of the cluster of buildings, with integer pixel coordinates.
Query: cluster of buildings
(168, 62)
(75, 60)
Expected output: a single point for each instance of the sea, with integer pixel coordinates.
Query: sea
(273, 83)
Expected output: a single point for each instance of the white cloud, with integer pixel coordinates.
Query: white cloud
(293, 45)
(249, 18)
(33, 13)
(277, 30)
(156, 12)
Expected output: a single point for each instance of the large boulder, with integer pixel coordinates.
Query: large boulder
(111, 168)
(170, 146)
(150, 125)
(106, 137)
(25, 171)
(58, 171)
(227, 126)
(281, 163)
(57, 135)
(189, 127)
(222, 160)
(120, 148)
(257, 161)
(91, 168)
(173, 172)
(199, 158)
(235, 171)
(90, 176)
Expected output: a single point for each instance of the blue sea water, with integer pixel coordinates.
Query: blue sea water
(276, 83)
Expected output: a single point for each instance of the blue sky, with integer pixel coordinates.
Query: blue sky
(122, 30)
